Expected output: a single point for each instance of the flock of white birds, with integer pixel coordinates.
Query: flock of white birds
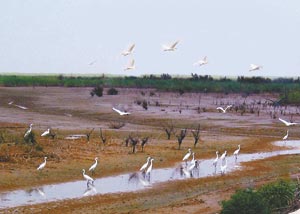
(173, 47)
(147, 167)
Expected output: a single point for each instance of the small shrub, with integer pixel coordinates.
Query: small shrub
(152, 93)
(112, 91)
(139, 102)
(39, 148)
(98, 90)
(116, 125)
(145, 105)
(245, 201)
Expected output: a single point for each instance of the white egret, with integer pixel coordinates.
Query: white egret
(120, 112)
(149, 169)
(201, 61)
(42, 165)
(145, 165)
(28, 131)
(236, 152)
(130, 66)
(191, 166)
(216, 160)
(223, 156)
(286, 136)
(45, 133)
(187, 155)
(171, 47)
(287, 123)
(254, 67)
(129, 50)
(224, 110)
(87, 178)
(224, 167)
(19, 106)
(93, 167)
(193, 159)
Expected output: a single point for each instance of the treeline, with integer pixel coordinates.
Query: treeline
(163, 82)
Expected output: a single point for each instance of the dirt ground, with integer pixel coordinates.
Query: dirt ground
(71, 111)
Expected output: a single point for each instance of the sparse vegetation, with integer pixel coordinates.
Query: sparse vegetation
(98, 90)
(112, 91)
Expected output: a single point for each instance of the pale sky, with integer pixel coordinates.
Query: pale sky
(64, 37)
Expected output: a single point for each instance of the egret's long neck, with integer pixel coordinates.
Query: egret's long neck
(217, 155)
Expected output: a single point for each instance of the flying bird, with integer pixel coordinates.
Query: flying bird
(120, 112)
(19, 106)
(254, 67)
(42, 165)
(131, 65)
(45, 133)
(171, 47)
(28, 131)
(287, 123)
(201, 61)
(224, 110)
(129, 50)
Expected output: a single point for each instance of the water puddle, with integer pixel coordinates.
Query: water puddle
(132, 181)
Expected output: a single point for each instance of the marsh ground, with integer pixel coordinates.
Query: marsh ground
(73, 111)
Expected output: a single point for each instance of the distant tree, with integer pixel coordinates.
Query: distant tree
(169, 129)
(196, 135)
(102, 137)
(98, 90)
(88, 135)
(144, 141)
(134, 141)
(181, 136)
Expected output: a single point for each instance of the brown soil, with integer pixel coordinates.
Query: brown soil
(72, 111)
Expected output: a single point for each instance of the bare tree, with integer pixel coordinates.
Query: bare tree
(88, 135)
(102, 137)
(169, 129)
(134, 141)
(181, 136)
(196, 135)
(144, 141)
(127, 139)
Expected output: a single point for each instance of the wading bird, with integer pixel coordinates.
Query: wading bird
(131, 65)
(45, 133)
(143, 168)
(236, 152)
(287, 123)
(223, 156)
(28, 131)
(187, 155)
(87, 178)
(93, 167)
(254, 67)
(171, 47)
(224, 167)
(224, 110)
(42, 165)
(149, 169)
(216, 160)
(286, 136)
(129, 50)
(120, 112)
(201, 61)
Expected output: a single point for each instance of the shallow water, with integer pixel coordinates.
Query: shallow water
(132, 181)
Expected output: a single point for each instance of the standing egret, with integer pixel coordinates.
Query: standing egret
(187, 155)
(45, 133)
(201, 61)
(149, 169)
(216, 160)
(224, 110)
(130, 66)
(129, 50)
(286, 136)
(87, 178)
(42, 165)
(224, 167)
(143, 168)
(223, 156)
(236, 152)
(287, 123)
(171, 47)
(28, 131)
(93, 167)
(254, 67)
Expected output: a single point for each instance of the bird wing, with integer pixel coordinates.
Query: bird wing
(132, 63)
(174, 44)
(45, 133)
(117, 110)
(21, 107)
(165, 47)
(131, 48)
(220, 108)
(285, 122)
